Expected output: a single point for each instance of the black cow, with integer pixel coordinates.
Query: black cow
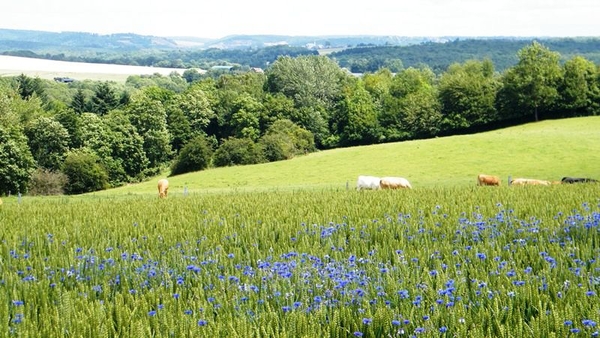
(571, 180)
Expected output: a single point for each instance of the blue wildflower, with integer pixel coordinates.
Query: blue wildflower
(588, 322)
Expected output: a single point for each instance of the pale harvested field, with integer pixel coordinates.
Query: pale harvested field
(48, 69)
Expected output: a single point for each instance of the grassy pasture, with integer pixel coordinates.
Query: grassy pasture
(546, 150)
(49, 69)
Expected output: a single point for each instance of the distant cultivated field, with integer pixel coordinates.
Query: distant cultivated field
(48, 69)
(545, 150)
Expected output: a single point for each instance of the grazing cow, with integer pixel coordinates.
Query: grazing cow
(528, 181)
(163, 188)
(367, 182)
(394, 183)
(488, 180)
(572, 180)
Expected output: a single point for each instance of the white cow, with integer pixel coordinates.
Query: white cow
(394, 183)
(367, 182)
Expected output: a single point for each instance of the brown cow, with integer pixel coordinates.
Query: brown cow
(394, 183)
(163, 188)
(528, 181)
(488, 180)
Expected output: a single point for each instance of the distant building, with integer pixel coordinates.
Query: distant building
(63, 79)
(257, 70)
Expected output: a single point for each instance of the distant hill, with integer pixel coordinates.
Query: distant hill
(438, 56)
(359, 54)
(40, 41)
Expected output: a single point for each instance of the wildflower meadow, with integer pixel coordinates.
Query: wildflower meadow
(429, 262)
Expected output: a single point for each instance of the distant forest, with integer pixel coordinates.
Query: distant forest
(368, 56)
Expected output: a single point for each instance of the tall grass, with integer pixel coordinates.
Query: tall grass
(446, 261)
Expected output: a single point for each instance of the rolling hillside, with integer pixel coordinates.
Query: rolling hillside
(545, 150)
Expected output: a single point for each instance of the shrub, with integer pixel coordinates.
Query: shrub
(194, 156)
(238, 151)
(277, 147)
(84, 171)
(47, 182)
(302, 140)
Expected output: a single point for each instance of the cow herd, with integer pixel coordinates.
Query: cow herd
(495, 180)
(390, 182)
(376, 183)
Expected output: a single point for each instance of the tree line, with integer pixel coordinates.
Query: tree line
(91, 135)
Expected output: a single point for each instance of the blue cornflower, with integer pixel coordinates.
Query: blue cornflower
(588, 322)
(152, 313)
(358, 334)
(396, 322)
(443, 329)
(17, 302)
(202, 322)
(481, 255)
(367, 321)
(568, 322)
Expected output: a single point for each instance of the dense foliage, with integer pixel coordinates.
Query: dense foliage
(439, 56)
(297, 105)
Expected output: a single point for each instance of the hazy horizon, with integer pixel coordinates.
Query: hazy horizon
(428, 18)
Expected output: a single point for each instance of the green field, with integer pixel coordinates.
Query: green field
(546, 150)
(285, 250)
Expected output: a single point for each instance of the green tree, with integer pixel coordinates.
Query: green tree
(48, 141)
(28, 87)
(196, 106)
(105, 99)
(580, 87)
(16, 161)
(71, 121)
(531, 85)
(149, 117)
(467, 93)
(356, 118)
(314, 83)
(179, 127)
(79, 102)
(126, 144)
(236, 151)
(412, 109)
(245, 119)
(84, 171)
(194, 156)
(302, 140)
(99, 138)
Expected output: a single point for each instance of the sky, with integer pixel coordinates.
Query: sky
(216, 19)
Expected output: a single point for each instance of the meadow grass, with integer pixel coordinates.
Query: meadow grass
(444, 261)
(546, 150)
